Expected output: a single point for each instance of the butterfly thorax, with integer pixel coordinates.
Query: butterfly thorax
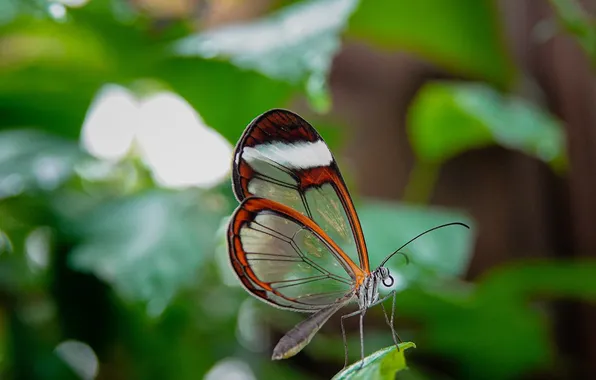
(368, 292)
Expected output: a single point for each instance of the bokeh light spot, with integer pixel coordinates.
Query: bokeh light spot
(110, 124)
(37, 247)
(250, 332)
(230, 369)
(80, 357)
(57, 11)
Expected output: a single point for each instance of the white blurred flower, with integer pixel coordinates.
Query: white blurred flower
(171, 137)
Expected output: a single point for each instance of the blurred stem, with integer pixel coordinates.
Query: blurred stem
(422, 181)
(578, 23)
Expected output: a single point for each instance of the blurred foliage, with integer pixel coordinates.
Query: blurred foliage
(477, 116)
(294, 45)
(579, 24)
(123, 242)
(35, 160)
(504, 318)
(383, 364)
(94, 253)
(464, 35)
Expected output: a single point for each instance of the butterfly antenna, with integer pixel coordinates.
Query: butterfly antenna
(419, 235)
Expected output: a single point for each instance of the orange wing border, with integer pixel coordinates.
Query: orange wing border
(246, 213)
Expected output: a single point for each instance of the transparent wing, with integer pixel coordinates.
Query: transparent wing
(285, 259)
(281, 157)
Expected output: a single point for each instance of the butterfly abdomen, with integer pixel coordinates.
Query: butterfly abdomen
(297, 338)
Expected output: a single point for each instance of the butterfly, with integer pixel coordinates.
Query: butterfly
(295, 241)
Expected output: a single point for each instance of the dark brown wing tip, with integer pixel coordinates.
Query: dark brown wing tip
(276, 110)
(272, 113)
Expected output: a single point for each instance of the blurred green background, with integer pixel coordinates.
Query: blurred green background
(117, 120)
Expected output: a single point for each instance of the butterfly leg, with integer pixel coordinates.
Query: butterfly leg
(394, 334)
(362, 312)
(392, 314)
(343, 334)
(389, 322)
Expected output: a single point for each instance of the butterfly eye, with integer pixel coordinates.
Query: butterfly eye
(388, 281)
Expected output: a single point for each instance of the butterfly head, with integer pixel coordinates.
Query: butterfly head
(383, 274)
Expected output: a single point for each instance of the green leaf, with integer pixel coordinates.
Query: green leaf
(463, 35)
(448, 119)
(34, 160)
(445, 252)
(295, 44)
(382, 365)
(149, 245)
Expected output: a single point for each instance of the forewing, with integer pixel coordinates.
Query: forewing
(283, 258)
(281, 157)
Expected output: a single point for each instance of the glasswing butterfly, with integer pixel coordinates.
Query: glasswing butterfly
(295, 241)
